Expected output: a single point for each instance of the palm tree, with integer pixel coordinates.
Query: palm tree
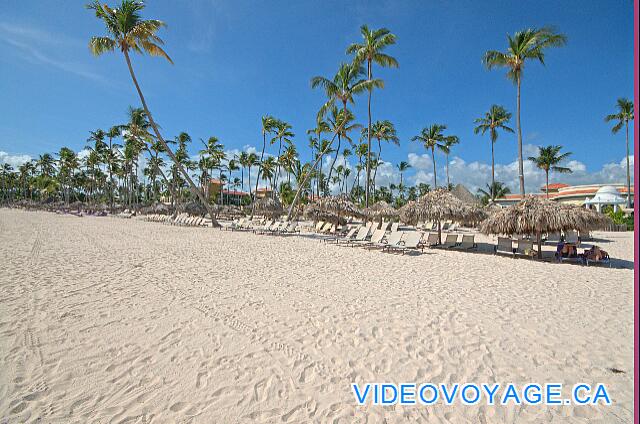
(268, 170)
(128, 31)
(110, 157)
(496, 119)
(445, 147)
(624, 115)
(268, 125)
(243, 158)
(282, 132)
(527, 44)
(431, 137)
(381, 131)
(340, 122)
(494, 191)
(402, 168)
(371, 50)
(252, 160)
(549, 159)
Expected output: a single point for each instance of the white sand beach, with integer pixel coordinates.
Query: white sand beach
(113, 320)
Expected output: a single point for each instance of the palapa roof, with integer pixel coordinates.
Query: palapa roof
(535, 215)
(268, 206)
(340, 205)
(313, 212)
(381, 209)
(439, 205)
(462, 193)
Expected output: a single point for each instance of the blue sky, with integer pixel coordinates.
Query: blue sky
(238, 60)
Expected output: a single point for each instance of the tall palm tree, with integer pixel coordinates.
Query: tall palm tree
(341, 89)
(549, 159)
(268, 125)
(431, 137)
(623, 116)
(340, 122)
(371, 51)
(523, 45)
(110, 157)
(445, 147)
(496, 119)
(402, 168)
(282, 131)
(129, 32)
(243, 158)
(252, 160)
(381, 131)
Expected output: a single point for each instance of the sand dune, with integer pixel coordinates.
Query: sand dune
(106, 320)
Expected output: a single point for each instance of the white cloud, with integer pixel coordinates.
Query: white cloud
(14, 160)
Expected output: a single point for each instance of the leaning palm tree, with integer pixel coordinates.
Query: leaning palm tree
(624, 115)
(431, 137)
(496, 119)
(527, 44)
(370, 51)
(549, 159)
(129, 32)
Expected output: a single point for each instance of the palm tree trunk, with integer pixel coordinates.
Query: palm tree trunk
(335, 158)
(192, 186)
(547, 186)
(628, 168)
(366, 197)
(264, 145)
(520, 162)
(433, 159)
(493, 172)
(447, 167)
(306, 177)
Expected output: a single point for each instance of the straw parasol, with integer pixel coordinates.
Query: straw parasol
(537, 215)
(438, 205)
(314, 213)
(340, 205)
(268, 206)
(381, 210)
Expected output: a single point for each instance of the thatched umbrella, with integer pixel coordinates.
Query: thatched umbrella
(340, 205)
(314, 213)
(268, 206)
(537, 215)
(381, 210)
(439, 205)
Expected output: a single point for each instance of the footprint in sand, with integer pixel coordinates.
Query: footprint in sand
(178, 406)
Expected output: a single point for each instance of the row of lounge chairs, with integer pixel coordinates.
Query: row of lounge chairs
(370, 237)
(446, 226)
(182, 219)
(268, 226)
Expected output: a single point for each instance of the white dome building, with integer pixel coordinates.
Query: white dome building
(606, 195)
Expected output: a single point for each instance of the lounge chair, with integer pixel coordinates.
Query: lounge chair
(505, 245)
(395, 226)
(376, 238)
(446, 225)
(525, 248)
(319, 226)
(412, 240)
(265, 227)
(450, 241)
(432, 240)
(453, 227)
(347, 237)
(468, 242)
(361, 236)
(392, 240)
